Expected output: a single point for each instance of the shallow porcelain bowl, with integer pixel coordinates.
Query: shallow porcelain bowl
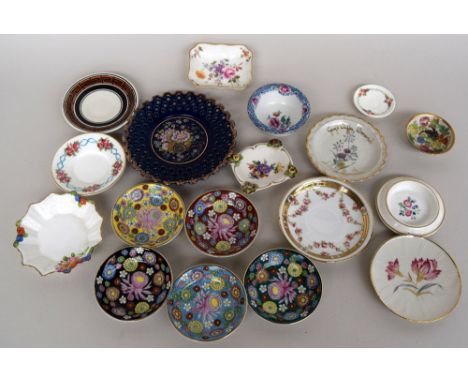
(347, 148)
(416, 279)
(283, 286)
(278, 109)
(326, 219)
(88, 164)
(133, 283)
(221, 223)
(409, 205)
(58, 233)
(207, 302)
(374, 101)
(430, 133)
(262, 165)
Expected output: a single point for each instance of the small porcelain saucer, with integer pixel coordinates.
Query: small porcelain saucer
(88, 164)
(262, 165)
(207, 302)
(133, 283)
(347, 148)
(58, 233)
(326, 219)
(416, 279)
(283, 286)
(374, 101)
(430, 133)
(220, 65)
(101, 102)
(278, 109)
(407, 205)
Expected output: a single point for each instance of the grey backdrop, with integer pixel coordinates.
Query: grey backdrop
(425, 73)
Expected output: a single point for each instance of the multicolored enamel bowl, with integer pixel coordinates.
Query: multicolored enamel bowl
(430, 133)
(206, 303)
(221, 223)
(148, 215)
(133, 283)
(283, 286)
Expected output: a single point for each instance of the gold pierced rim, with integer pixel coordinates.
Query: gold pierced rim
(324, 170)
(210, 254)
(400, 315)
(132, 244)
(452, 130)
(348, 254)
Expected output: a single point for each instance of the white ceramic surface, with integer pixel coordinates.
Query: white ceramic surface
(416, 279)
(88, 163)
(326, 219)
(374, 101)
(263, 165)
(220, 65)
(58, 233)
(400, 196)
(347, 148)
(101, 106)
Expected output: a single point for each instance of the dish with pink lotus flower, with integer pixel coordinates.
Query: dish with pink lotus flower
(416, 279)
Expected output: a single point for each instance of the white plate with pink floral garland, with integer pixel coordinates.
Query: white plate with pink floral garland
(58, 233)
(347, 148)
(326, 219)
(374, 101)
(220, 65)
(416, 279)
(88, 164)
(408, 205)
(262, 165)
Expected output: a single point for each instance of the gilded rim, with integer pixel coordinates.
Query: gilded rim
(452, 130)
(138, 245)
(368, 226)
(323, 170)
(398, 314)
(209, 254)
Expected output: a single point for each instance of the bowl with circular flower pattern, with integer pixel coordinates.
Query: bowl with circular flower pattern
(206, 303)
(430, 133)
(278, 109)
(133, 283)
(283, 286)
(221, 223)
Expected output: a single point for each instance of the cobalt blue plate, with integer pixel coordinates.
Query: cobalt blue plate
(179, 138)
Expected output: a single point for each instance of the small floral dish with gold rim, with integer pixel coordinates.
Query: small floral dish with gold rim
(58, 233)
(221, 66)
(133, 283)
(148, 215)
(207, 302)
(325, 219)
(430, 133)
(278, 109)
(262, 165)
(88, 164)
(407, 205)
(100, 103)
(416, 279)
(221, 223)
(347, 148)
(283, 286)
(374, 101)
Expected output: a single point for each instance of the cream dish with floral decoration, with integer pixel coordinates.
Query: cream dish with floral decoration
(262, 165)
(58, 233)
(220, 65)
(416, 279)
(326, 219)
(88, 164)
(347, 148)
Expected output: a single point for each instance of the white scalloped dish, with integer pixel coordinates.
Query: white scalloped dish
(58, 233)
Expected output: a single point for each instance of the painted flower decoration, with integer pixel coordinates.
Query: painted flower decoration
(284, 89)
(393, 269)
(425, 269)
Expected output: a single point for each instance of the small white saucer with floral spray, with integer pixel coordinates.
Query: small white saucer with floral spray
(220, 65)
(416, 279)
(58, 233)
(374, 101)
(262, 165)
